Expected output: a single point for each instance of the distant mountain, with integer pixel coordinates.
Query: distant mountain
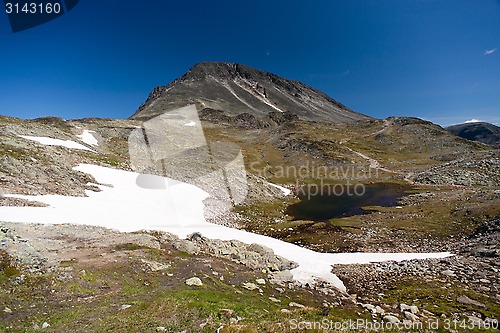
(237, 89)
(482, 132)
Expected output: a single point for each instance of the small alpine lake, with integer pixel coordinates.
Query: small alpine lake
(321, 203)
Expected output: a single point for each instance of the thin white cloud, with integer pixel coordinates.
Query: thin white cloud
(473, 120)
(486, 52)
(347, 72)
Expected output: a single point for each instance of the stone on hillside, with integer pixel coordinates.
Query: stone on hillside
(281, 277)
(379, 310)
(226, 312)
(467, 301)
(370, 307)
(476, 321)
(296, 305)
(410, 316)
(260, 281)
(448, 272)
(186, 246)
(391, 319)
(414, 309)
(194, 281)
(155, 266)
(428, 313)
(250, 286)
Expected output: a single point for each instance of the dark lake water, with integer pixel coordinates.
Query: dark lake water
(323, 203)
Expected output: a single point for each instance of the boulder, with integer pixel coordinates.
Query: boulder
(194, 281)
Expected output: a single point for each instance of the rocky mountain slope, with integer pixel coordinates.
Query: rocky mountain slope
(237, 89)
(479, 131)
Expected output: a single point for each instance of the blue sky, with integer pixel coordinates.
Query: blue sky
(422, 58)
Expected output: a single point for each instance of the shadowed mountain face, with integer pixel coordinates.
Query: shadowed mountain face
(482, 132)
(238, 89)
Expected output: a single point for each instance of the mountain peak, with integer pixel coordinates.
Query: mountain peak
(236, 89)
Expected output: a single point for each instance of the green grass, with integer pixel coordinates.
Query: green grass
(129, 247)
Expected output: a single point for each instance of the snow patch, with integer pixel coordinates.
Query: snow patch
(127, 207)
(56, 142)
(226, 85)
(258, 96)
(88, 138)
(473, 120)
(285, 190)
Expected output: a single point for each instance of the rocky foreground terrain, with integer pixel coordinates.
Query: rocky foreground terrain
(61, 278)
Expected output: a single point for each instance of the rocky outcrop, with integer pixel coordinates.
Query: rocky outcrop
(253, 256)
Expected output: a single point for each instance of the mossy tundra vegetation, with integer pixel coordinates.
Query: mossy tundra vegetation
(452, 204)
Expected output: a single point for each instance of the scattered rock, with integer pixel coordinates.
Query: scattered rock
(428, 313)
(45, 325)
(125, 306)
(414, 309)
(410, 316)
(475, 321)
(296, 305)
(403, 307)
(275, 300)
(379, 310)
(228, 313)
(281, 277)
(260, 281)
(155, 266)
(285, 311)
(448, 272)
(194, 281)
(7, 310)
(467, 301)
(250, 286)
(370, 307)
(392, 319)
(186, 246)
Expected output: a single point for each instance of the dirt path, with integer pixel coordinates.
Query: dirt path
(373, 163)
